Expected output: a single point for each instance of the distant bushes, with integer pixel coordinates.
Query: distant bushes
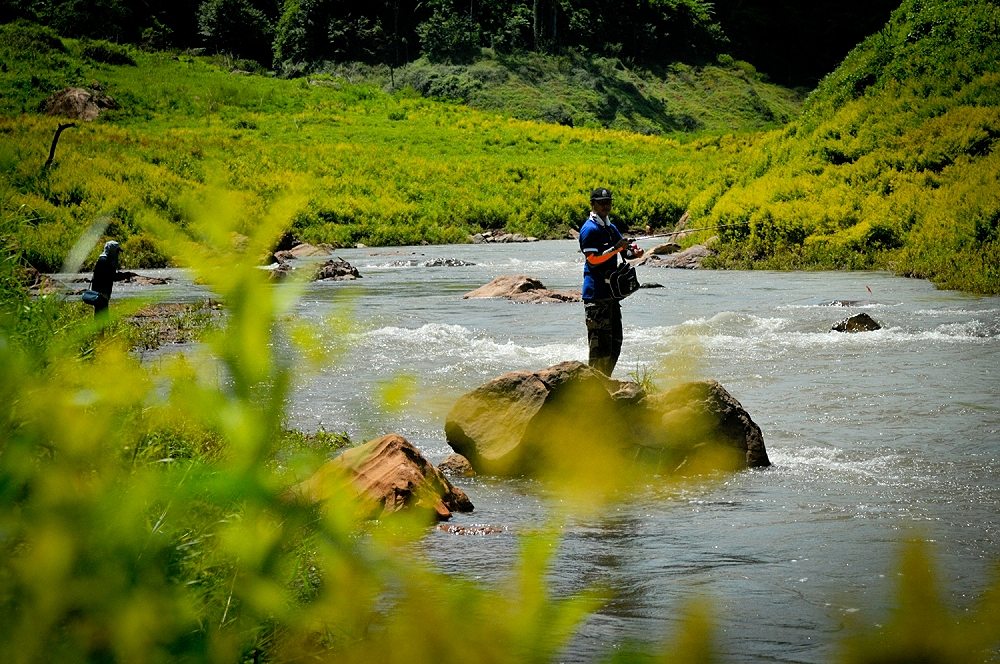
(106, 52)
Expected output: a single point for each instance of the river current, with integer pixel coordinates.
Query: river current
(875, 437)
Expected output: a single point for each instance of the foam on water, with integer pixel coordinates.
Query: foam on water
(445, 347)
(744, 331)
(880, 467)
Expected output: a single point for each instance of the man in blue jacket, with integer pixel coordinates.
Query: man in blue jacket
(601, 241)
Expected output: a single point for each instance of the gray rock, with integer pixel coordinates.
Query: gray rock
(447, 262)
(78, 103)
(499, 237)
(336, 270)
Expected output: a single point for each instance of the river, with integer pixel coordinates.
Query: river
(874, 437)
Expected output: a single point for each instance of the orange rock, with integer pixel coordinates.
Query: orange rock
(389, 474)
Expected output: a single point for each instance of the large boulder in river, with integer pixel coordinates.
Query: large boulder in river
(522, 288)
(570, 415)
(387, 475)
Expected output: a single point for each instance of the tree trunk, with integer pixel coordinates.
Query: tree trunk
(55, 141)
(536, 25)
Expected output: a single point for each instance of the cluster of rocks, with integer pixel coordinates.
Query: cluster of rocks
(498, 237)
(336, 269)
(533, 423)
(434, 262)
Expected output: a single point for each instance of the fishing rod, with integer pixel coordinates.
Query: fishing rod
(686, 230)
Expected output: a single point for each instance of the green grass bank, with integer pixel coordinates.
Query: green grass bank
(891, 164)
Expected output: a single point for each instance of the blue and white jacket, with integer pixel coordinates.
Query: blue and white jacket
(597, 235)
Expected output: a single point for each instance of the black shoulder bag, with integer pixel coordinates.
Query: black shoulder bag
(623, 280)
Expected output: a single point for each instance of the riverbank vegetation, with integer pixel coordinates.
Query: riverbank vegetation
(890, 163)
(889, 166)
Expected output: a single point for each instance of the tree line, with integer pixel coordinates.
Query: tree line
(794, 42)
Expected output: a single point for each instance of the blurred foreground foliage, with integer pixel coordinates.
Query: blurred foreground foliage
(144, 513)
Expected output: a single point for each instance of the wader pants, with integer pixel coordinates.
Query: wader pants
(604, 333)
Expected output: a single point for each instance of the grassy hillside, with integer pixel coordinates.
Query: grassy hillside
(892, 165)
(370, 166)
(572, 90)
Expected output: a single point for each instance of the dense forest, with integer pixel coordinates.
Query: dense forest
(794, 43)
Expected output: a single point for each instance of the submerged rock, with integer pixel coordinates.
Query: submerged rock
(278, 271)
(499, 237)
(525, 423)
(387, 475)
(457, 465)
(857, 323)
(336, 270)
(127, 277)
(522, 288)
(477, 529)
(447, 262)
(143, 280)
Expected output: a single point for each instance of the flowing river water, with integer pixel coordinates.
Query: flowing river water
(875, 437)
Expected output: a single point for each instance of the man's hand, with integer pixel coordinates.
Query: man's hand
(622, 244)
